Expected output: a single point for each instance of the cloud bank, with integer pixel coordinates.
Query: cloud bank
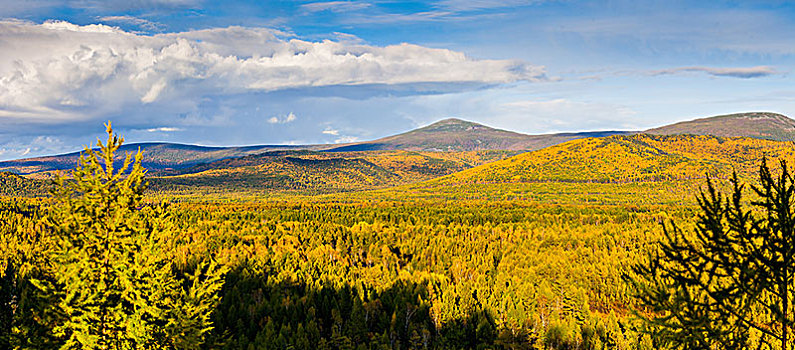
(59, 71)
(735, 72)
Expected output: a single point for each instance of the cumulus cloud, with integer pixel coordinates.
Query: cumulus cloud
(338, 137)
(736, 72)
(289, 118)
(62, 71)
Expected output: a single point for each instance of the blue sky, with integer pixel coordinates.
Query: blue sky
(273, 72)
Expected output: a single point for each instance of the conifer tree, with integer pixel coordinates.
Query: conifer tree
(728, 284)
(117, 287)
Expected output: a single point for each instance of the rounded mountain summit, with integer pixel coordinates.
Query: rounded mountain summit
(763, 125)
(454, 134)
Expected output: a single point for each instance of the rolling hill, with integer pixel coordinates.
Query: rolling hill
(12, 185)
(459, 135)
(454, 145)
(630, 158)
(313, 172)
(624, 170)
(770, 126)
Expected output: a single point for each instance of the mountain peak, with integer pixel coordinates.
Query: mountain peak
(764, 125)
(755, 116)
(452, 124)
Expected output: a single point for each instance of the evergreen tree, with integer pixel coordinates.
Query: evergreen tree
(729, 284)
(116, 285)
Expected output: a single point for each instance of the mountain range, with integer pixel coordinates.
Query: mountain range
(453, 151)
(763, 125)
(459, 135)
(445, 135)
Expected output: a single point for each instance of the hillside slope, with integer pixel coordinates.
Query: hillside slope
(13, 185)
(630, 158)
(770, 126)
(320, 172)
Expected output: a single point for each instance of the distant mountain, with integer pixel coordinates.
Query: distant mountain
(770, 126)
(459, 135)
(446, 135)
(628, 158)
(157, 157)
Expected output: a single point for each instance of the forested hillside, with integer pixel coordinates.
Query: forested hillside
(307, 172)
(532, 251)
(631, 158)
(14, 185)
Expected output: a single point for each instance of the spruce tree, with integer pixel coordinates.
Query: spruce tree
(729, 283)
(116, 285)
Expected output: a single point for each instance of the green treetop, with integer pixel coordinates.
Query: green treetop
(115, 283)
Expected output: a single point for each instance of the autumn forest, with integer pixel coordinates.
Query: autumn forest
(594, 243)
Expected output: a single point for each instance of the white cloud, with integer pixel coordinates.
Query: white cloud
(331, 132)
(19, 147)
(163, 129)
(67, 71)
(289, 118)
(346, 139)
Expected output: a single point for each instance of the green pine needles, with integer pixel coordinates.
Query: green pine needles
(730, 283)
(115, 284)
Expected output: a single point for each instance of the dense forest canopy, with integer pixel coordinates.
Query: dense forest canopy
(99, 264)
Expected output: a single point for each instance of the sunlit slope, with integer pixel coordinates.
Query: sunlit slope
(321, 172)
(771, 126)
(629, 158)
(13, 185)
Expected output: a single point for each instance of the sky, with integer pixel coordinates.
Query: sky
(303, 72)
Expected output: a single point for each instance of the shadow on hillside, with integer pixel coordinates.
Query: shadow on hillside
(255, 313)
